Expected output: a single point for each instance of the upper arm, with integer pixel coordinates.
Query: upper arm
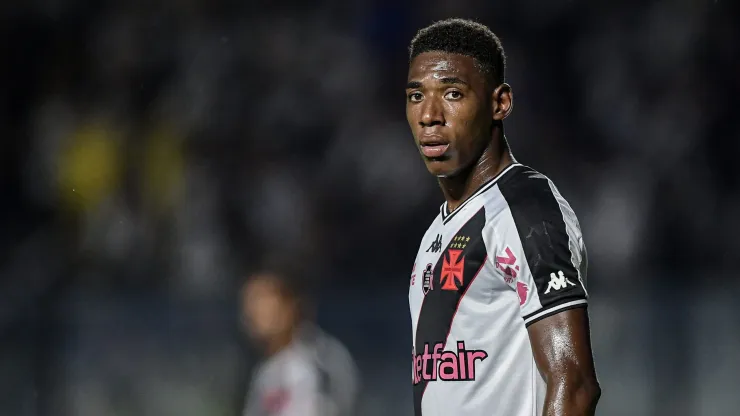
(539, 251)
(339, 377)
(561, 345)
(562, 350)
(541, 254)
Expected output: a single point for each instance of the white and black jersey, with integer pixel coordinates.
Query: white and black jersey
(508, 256)
(313, 376)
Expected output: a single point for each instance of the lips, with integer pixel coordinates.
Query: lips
(433, 146)
(434, 150)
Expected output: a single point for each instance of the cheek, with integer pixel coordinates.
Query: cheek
(271, 309)
(411, 116)
(262, 313)
(471, 133)
(477, 122)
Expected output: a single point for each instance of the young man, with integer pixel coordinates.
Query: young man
(497, 294)
(307, 372)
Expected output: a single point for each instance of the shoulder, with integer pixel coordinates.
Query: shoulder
(527, 191)
(532, 215)
(333, 362)
(329, 351)
(537, 244)
(532, 203)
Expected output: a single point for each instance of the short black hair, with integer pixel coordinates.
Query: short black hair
(290, 280)
(464, 37)
(286, 278)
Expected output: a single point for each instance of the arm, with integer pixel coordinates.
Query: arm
(540, 253)
(562, 350)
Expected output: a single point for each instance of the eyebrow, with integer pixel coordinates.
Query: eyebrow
(446, 80)
(452, 80)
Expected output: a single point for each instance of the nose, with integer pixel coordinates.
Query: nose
(432, 113)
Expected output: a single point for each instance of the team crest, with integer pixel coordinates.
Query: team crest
(426, 284)
(452, 270)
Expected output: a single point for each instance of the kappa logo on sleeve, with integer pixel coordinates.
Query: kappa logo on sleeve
(558, 282)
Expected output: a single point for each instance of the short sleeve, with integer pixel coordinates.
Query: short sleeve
(540, 253)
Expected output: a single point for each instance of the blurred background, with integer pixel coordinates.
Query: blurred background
(153, 151)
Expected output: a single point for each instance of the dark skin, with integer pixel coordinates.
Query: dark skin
(450, 101)
(456, 114)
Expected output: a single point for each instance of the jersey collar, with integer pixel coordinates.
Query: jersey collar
(444, 209)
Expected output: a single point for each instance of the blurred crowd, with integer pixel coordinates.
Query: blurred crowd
(156, 151)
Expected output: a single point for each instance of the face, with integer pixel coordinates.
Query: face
(267, 312)
(451, 109)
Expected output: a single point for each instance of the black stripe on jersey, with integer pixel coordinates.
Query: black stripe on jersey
(440, 305)
(553, 311)
(544, 238)
(446, 215)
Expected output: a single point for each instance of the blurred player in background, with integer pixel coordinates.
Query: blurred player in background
(498, 290)
(306, 372)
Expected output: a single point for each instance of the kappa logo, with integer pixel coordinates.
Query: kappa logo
(452, 270)
(426, 283)
(413, 275)
(436, 245)
(558, 282)
(505, 264)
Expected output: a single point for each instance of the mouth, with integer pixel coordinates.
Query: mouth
(434, 151)
(433, 146)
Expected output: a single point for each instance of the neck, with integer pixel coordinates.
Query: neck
(278, 343)
(494, 159)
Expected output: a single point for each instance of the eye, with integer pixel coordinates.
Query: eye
(415, 97)
(453, 95)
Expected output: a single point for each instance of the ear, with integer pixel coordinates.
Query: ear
(503, 101)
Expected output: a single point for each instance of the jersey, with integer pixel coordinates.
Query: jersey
(510, 255)
(314, 376)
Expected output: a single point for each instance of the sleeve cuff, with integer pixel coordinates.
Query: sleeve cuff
(552, 310)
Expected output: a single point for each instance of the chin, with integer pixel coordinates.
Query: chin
(442, 170)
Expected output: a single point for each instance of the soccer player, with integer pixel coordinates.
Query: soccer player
(307, 372)
(497, 293)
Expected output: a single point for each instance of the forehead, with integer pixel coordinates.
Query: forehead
(441, 64)
(261, 285)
